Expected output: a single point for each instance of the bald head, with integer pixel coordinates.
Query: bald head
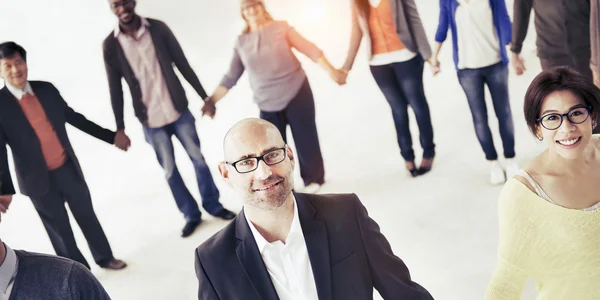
(250, 135)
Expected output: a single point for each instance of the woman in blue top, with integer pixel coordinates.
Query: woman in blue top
(480, 31)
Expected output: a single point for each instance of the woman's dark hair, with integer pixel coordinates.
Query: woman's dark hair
(559, 79)
(363, 7)
(8, 49)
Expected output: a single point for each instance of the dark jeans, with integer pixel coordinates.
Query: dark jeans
(575, 62)
(496, 79)
(66, 185)
(402, 85)
(300, 115)
(184, 130)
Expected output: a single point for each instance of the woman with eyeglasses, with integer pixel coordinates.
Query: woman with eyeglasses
(480, 31)
(549, 213)
(280, 86)
(397, 48)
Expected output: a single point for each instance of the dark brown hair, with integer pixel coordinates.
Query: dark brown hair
(8, 49)
(559, 79)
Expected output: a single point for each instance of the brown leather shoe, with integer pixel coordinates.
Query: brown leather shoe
(113, 264)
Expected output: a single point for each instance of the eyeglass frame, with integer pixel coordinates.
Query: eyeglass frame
(259, 159)
(562, 116)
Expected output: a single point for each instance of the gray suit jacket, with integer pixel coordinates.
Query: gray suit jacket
(408, 26)
(348, 254)
(595, 35)
(45, 277)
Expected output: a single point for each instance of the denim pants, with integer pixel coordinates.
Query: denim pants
(496, 79)
(402, 85)
(300, 115)
(184, 129)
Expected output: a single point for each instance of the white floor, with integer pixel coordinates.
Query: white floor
(443, 224)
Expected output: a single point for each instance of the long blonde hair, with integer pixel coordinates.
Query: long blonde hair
(266, 12)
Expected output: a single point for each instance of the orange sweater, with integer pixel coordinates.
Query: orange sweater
(384, 38)
(52, 149)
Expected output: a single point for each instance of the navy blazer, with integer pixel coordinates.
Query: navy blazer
(16, 131)
(348, 254)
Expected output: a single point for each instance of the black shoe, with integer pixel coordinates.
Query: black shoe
(423, 170)
(189, 228)
(427, 167)
(414, 172)
(225, 214)
(113, 264)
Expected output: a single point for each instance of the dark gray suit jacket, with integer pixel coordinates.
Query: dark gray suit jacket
(44, 277)
(169, 54)
(16, 131)
(349, 256)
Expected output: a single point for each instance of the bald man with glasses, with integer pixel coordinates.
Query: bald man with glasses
(286, 245)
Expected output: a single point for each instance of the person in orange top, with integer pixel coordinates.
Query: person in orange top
(32, 122)
(397, 48)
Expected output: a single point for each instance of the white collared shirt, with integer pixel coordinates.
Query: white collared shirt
(288, 264)
(8, 272)
(18, 93)
(141, 55)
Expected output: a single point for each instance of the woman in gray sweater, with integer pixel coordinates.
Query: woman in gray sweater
(281, 89)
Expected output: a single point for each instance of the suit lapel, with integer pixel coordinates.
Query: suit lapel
(251, 260)
(11, 111)
(317, 244)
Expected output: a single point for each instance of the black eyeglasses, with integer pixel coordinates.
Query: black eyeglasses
(249, 164)
(123, 3)
(576, 115)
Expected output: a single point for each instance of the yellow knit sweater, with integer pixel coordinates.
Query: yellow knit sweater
(557, 247)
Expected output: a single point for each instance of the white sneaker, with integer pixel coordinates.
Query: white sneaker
(511, 167)
(496, 174)
(312, 188)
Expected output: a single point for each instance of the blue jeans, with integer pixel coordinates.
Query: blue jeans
(496, 79)
(402, 85)
(185, 131)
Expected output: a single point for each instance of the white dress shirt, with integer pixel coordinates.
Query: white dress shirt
(18, 93)
(288, 264)
(478, 44)
(8, 272)
(141, 55)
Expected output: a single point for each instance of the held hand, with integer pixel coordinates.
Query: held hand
(518, 64)
(5, 201)
(339, 76)
(434, 65)
(209, 108)
(122, 141)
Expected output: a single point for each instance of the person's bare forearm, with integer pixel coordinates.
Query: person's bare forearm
(218, 94)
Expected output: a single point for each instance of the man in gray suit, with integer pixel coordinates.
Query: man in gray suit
(286, 245)
(25, 276)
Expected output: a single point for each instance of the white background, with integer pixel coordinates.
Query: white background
(443, 225)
